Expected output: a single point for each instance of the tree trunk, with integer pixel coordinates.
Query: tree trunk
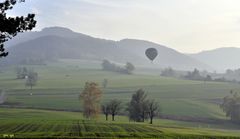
(143, 118)
(113, 117)
(106, 117)
(151, 120)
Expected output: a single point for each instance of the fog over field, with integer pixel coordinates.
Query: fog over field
(120, 69)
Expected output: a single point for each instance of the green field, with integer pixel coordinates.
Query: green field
(60, 84)
(41, 123)
(57, 91)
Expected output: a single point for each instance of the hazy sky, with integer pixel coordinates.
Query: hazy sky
(185, 25)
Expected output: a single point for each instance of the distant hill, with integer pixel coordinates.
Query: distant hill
(221, 59)
(58, 43)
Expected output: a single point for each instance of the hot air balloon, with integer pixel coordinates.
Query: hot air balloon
(151, 53)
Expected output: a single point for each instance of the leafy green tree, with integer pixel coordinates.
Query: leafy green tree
(231, 106)
(137, 107)
(91, 97)
(11, 26)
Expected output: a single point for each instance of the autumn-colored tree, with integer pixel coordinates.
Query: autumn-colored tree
(91, 97)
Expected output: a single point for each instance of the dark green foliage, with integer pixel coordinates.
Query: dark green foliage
(137, 107)
(231, 106)
(141, 108)
(11, 26)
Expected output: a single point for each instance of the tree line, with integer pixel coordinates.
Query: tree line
(127, 69)
(139, 109)
(201, 75)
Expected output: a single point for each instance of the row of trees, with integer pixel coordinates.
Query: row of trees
(139, 109)
(111, 108)
(230, 75)
(127, 69)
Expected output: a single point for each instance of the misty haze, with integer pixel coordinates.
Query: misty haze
(120, 69)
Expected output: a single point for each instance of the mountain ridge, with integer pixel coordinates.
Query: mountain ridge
(221, 58)
(57, 42)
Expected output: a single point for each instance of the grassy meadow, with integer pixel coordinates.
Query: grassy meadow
(27, 123)
(60, 84)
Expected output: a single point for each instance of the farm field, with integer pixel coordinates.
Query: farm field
(60, 84)
(27, 123)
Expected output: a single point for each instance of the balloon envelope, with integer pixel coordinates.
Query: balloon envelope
(151, 53)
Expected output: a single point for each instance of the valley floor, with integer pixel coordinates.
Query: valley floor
(58, 90)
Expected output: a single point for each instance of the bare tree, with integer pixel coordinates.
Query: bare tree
(153, 109)
(91, 96)
(105, 110)
(114, 107)
(32, 78)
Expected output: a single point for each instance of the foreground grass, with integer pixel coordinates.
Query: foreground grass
(26, 123)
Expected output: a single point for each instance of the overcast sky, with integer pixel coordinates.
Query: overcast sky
(185, 25)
